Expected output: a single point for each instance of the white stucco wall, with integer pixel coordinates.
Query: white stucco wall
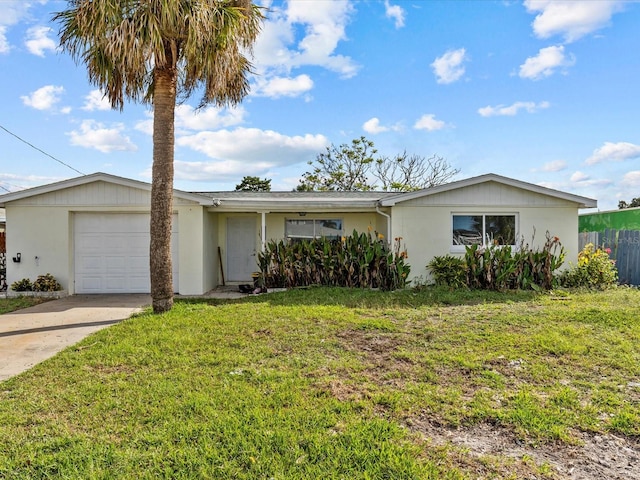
(38, 232)
(425, 224)
(42, 226)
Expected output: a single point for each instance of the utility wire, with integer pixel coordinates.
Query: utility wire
(41, 151)
(11, 185)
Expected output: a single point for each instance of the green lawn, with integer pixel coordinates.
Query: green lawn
(329, 384)
(8, 305)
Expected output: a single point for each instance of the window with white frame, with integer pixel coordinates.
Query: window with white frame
(297, 230)
(483, 229)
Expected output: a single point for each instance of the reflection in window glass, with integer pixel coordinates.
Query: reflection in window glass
(500, 229)
(484, 230)
(308, 229)
(467, 229)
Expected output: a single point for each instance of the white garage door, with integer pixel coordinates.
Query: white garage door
(111, 253)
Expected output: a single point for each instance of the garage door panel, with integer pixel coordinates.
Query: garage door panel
(112, 253)
(89, 263)
(89, 285)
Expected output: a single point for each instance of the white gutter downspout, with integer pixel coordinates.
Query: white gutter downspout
(388, 222)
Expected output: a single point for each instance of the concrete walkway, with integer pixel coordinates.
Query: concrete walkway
(31, 335)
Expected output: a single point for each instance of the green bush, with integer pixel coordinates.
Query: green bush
(448, 270)
(594, 269)
(358, 260)
(46, 283)
(23, 285)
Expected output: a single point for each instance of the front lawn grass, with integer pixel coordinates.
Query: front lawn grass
(328, 383)
(8, 305)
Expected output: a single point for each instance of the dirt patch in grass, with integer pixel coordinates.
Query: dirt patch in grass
(595, 457)
(488, 450)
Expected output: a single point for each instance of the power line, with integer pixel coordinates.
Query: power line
(11, 185)
(41, 151)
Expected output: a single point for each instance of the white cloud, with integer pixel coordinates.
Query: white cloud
(254, 146)
(571, 19)
(578, 176)
(554, 166)
(581, 180)
(44, 98)
(93, 134)
(278, 49)
(38, 40)
(614, 152)
(545, 63)
(4, 43)
(96, 100)
(16, 182)
(448, 68)
(373, 126)
(189, 119)
(276, 87)
(11, 12)
(217, 170)
(513, 109)
(429, 123)
(631, 179)
(395, 12)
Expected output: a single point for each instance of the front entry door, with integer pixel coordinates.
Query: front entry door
(241, 248)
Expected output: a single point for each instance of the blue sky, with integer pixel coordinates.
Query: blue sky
(542, 91)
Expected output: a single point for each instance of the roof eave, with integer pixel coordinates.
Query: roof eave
(288, 206)
(95, 177)
(583, 202)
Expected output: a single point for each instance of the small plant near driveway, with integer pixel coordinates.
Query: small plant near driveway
(44, 283)
(23, 285)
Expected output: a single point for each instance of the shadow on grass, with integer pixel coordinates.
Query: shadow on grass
(367, 298)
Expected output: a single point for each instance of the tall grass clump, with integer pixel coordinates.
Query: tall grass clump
(594, 269)
(361, 260)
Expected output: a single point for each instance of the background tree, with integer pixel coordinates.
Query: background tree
(356, 167)
(254, 184)
(633, 203)
(344, 168)
(153, 51)
(405, 173)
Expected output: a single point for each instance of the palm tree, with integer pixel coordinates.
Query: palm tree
(156, 52)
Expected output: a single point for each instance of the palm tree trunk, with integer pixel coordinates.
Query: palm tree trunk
(164, 101)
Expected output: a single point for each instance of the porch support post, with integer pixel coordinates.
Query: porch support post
(263, 231)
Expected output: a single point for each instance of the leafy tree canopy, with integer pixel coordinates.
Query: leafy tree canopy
(254, 184)
(358, 167)
(633, 203)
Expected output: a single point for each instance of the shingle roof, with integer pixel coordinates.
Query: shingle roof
(372, 196)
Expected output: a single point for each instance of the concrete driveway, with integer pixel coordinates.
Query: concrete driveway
(29, 336)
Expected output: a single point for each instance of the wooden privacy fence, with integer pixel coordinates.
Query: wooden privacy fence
(625, 250)
(3, 262)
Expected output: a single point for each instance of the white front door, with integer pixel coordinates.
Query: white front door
(241, 248)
